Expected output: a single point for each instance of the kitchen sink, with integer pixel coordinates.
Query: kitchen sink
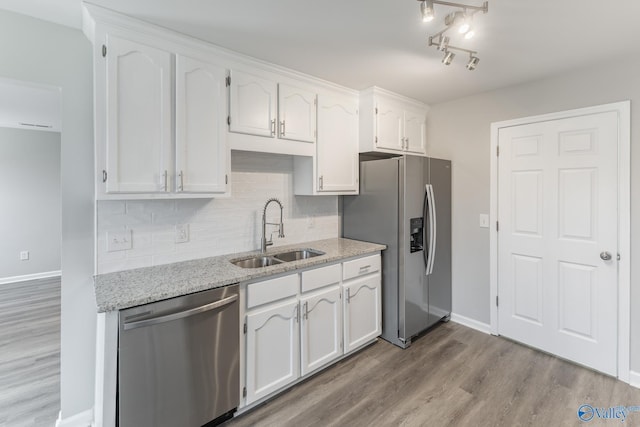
(266, 261)
(256, 262)
(298, 255)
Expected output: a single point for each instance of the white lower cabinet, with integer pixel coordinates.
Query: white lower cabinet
(362, 311)
(272, 356)
(301, 322)
(320, 330)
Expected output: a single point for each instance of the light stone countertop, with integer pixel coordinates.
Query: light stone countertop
(124, 289)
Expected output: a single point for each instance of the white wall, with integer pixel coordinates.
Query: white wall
(30, 194)
(217, 226)
(460, 130)
(45, 53)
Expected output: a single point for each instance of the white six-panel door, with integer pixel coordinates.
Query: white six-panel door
(557, 213)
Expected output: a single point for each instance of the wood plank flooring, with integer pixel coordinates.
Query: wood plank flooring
(452, 376)
(30, 353)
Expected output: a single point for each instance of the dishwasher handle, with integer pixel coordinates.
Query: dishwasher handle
(180, 314)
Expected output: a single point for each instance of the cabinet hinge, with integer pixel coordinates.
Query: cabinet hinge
(245, 328)
(227, 81)
(226, 181)
(497, 226)
(229, 120)
(496, 300)
(104, 50)
(244, 392)
(104, 175)
(376, 110)
(376, 139)
(497, 151)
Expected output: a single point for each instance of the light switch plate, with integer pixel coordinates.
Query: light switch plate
(119, 240)
(484, 220)
(24, 255)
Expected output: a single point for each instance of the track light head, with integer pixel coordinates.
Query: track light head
(470, 33)
(448, 57)
(426, 9)
(473, 62)
(444, 43)
(465, 23)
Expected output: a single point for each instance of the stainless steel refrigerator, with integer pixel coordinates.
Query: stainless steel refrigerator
(405, 203)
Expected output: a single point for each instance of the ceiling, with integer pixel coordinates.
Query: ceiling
(361, 43)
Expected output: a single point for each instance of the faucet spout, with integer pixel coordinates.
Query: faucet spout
(264, 242)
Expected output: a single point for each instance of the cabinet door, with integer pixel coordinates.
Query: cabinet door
(362, 312)
(201, 155)
(321, 329)
(389, 132)
(139, 142)
(252, 105)
(296, 114)
(337, 149)
(273, 353)
(414, 131)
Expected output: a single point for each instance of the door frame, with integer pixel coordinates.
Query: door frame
(623, 110)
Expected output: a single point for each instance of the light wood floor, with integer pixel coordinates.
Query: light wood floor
(452, 376)
(30, 353)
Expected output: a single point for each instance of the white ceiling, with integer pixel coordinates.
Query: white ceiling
(360, 43)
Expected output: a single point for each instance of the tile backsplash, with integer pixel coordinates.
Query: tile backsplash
(216, 226)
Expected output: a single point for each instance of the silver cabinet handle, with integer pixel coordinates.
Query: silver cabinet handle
(181, 187)
(273, 127)
(181, 314)
(321, 182)
(605, 256)
(348, 297)
(165, 177)
(282, 128)
(297, 315)
(306, 311)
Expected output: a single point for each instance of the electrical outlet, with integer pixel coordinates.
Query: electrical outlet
(24, 255)
(484, 220)
(119, 240)
(182, 233)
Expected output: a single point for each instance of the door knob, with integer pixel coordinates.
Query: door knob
(606, 256)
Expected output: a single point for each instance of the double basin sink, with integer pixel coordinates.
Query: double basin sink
(265, 261)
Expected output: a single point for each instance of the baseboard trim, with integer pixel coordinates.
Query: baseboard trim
(26, 277)
(81, 419)
(471, 323)
(634, 379)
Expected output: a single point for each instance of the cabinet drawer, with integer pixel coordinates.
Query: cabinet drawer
(360, 267)
(321, 277)
(272, 290)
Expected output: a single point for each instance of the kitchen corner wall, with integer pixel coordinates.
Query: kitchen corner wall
(217, 226)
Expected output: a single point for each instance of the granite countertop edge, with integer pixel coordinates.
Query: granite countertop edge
(130, 288)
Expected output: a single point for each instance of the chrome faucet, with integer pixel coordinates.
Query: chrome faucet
(264, 243)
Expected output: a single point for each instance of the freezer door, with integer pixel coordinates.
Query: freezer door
(413, 292)
(439, 281)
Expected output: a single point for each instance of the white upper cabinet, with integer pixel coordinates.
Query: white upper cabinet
(334, 171)
(201, 152)
(389, 119)
(391, 123)
(138, 118)
(415, 123)
(260, 106)
(337, 154)
(296, 114)
(252, 104)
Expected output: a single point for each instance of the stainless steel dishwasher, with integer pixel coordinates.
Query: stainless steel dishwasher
(178, 360)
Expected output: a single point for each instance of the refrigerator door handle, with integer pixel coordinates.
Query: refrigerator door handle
(425, 218)
(432, 227)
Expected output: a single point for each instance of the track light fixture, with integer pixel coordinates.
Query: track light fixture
(448, 57)
(473, 62)
(426, 9)
(462, 19)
